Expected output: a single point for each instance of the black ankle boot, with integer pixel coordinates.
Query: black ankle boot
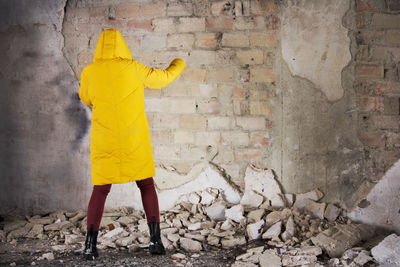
(156, 245)
(90, 252)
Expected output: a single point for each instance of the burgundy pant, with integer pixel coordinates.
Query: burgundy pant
(99, 195)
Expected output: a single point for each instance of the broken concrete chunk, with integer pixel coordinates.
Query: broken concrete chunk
(300, 202)
(254, 230)
(252, 200)
(213, 240)
(289, 199)
(261, 181)
(80, 215)
(226, 225)
(331, 212)
(21, 232)
(44, 220)
(178, 256)
(244, 256)
(125, 220)
(194, 226)
(206, 198)
(12, 225)
(194, 198)
(362, 258)
(315, 208)
(387, 252)
(73, 239)
(237, 241)
(189, 244)
(57, 226)
(216, 211)
(47, 256)
(270, 258)
(235, 213)
(113, 233)
(255, 215)
(173, 237)
(300, 256)
(167, 244)
(277, 202)
(337, 239)
(278, 215)
(36, 230)
(125, 241)
(273, 232)
(289, 229)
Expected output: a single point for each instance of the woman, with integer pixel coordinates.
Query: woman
(121, 149)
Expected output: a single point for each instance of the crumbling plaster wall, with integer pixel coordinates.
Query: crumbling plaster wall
(43, 126)
(240, 100)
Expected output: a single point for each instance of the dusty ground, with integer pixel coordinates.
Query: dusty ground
(27, 251)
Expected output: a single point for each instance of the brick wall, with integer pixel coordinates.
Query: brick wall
(222, 98)
(377, 83)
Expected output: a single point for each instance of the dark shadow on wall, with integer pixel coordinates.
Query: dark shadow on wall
(42, 123)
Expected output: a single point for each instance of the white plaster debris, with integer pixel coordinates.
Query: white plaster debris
(47, 256)
(387, 252)
(331, 212)
(289, 229)
(262, 182)
(189, 244)
(273, 232)
(205, 218)
(235, 213)
(269, 258)
(254, 230)
(216, 211)
(113, 233)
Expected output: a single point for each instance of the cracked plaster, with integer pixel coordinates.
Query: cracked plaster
(315, 44)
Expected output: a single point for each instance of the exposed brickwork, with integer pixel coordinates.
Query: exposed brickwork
(377, 83)
(222, 97)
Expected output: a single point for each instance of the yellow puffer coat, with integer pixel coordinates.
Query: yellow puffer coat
(114, 85)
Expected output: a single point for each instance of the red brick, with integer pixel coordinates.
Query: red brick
(151, 11)
(179, 9)
(207, 40)
(387, 88)
(239, 92)
(372, 139)
(219, 24)
(371, 104)
(194, 75)
(259, 139)
(127, 11)
(221, 8)
(370, 71)
(211, 106)
(144, 25)
(193, 121)
(263, 7)
(272, 22)
(160, 136)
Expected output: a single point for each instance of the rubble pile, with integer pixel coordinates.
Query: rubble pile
(294, 229)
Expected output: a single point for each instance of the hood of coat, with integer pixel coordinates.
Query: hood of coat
(111, 45)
